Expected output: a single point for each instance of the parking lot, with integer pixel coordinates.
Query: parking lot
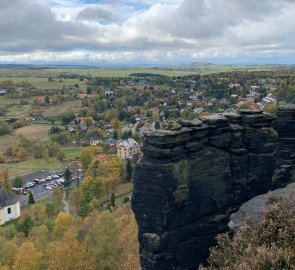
(39, 191)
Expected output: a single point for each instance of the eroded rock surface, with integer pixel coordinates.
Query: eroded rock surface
(191, 179)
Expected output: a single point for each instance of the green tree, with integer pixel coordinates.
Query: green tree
(129, 170)
(86, 157)
(31, 198)
(67, 182)
(61, 155)
(18, 182)
(113, 200)
(50, 209)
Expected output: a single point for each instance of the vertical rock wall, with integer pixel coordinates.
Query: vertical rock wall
(193, 177)
(285, 158)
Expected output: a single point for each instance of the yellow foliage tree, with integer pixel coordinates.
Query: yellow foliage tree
(69, 254)
(27, 258)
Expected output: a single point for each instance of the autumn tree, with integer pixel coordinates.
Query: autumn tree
(101, 242)
(90, 188)
(57, 199)
(75, 200)
(25, 222)
(269, 244)
(69, 254)
(86, 157)
(27, 258)
(8, 250)
(127, 241)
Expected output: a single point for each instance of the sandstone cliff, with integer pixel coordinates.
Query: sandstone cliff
(195, 175)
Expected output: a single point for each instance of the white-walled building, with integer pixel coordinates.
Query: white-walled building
(9, 206)
(128, 148)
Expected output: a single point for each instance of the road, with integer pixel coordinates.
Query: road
(39, 191)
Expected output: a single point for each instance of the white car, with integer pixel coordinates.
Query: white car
(43, 180)
(48, 177)
(48, 187)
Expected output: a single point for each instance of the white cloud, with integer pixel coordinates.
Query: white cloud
(60, 30)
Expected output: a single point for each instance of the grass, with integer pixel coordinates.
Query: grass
(72, 153)
(74, 105)
(42, 83)
(121, 72)
(122, 190)
(38, 131)
(28, 166)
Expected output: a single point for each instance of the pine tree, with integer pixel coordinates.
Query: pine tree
(113, 200)
(129, 170)
(31, 198)
(67, 182)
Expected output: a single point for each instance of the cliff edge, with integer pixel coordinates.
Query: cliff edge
(195, 174)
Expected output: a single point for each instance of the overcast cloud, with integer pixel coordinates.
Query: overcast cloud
(147, 31)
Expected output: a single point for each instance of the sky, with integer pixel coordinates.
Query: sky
(155, 32)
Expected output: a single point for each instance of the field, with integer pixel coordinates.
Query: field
(64, 107)
(43, 83)
(33, 132)
(28, 166)
(124, 72)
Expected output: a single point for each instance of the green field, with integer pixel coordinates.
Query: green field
(28, 166)
(124, 72)
(43, 83)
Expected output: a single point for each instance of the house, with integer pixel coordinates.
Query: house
(37, 117)
(2, 92)
(9, 206)
(108, 92)
(110, 141)
(72, 128)
(128, 148)
(269, 99)
(82, 128)
(95, 140)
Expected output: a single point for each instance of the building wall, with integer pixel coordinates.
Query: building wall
(5, 216)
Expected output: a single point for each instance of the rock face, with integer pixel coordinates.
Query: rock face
(193, 177)
(285, 161)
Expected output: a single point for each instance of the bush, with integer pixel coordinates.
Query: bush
(266, 245)
(126, 199)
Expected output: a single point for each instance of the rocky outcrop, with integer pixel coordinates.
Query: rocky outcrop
(285, 158)
(253, 209)
(193, 176)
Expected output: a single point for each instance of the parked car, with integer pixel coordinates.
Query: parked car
(48, 187)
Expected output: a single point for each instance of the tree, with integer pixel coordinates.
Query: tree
(25, 223)
(27, 258)
(50, 209)
(91, 188)
(102, 242)
(57, 199)
(4, 177)
(69, 254)
(129, 170)
(61, 155)
(113, 200)
(31, 198)
(88, 90)
(75, 199)
(86, 157)
(157, 125)
(67, 182)
(18, 182)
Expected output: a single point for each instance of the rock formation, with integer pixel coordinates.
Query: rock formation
(195, 174)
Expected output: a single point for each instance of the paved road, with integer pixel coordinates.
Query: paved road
(38, 191)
